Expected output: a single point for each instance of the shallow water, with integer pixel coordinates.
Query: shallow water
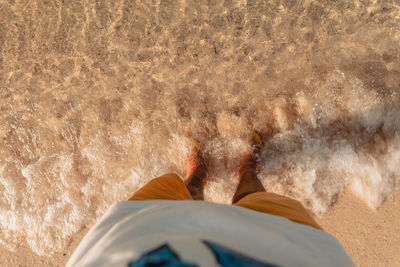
(98, 98)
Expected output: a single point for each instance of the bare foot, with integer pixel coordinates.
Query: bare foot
(196, 173)
(249, 182)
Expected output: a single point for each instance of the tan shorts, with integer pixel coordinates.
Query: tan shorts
(171, 187)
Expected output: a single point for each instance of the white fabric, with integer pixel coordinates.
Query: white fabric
(130, 229)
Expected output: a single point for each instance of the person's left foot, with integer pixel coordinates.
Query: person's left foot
(195, 172)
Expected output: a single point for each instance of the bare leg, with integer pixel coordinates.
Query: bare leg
(249, 182)
(196, 175)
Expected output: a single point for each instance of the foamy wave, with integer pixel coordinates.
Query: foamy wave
(317, 171)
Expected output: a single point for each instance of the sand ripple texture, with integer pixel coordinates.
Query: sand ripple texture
(99, 97)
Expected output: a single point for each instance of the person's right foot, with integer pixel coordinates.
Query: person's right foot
(256, 142)
(249, 182)
(253, 155)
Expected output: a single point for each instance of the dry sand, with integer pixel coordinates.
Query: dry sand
(371, 238)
